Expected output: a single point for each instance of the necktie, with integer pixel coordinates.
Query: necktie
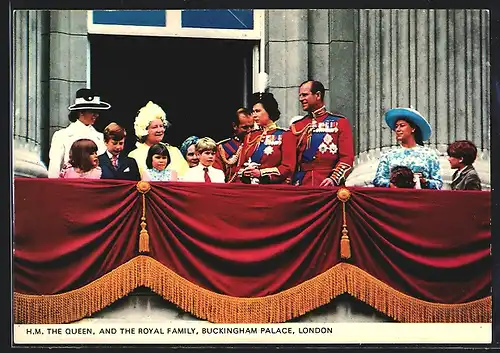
(207, 177)
(114, 161)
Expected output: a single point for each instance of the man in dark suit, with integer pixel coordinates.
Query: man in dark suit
(461, 155)
(114, 164)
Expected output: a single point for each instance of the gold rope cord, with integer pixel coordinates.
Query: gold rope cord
(235, 156)
(283, 306)
(143, 187)
(343, 194)
(306, 132)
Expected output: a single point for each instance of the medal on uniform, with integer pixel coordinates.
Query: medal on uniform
(327, 145)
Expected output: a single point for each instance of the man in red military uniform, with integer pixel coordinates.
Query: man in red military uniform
(228, 150)
(325, 148)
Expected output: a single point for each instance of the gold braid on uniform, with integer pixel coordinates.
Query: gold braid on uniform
(250, 143)
(339, 172)
(269, 171)
(255, 140)
(305, 132)
(319, 112)
(231, 160)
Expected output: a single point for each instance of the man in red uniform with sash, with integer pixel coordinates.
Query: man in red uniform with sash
(228, 150)
(325, 148)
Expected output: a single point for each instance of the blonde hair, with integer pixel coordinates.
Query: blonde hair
(205, 144)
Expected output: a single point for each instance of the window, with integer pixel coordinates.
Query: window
(213, 23)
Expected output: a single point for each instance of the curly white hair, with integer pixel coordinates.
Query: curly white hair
(146, 115)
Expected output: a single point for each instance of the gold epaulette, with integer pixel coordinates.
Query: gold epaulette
(336, 114)
(223, 141)
(296, 119)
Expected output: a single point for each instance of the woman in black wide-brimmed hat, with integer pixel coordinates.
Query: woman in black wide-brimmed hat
(83, 114)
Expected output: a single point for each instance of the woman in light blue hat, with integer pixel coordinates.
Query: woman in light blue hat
(411, 130)
(188, 151)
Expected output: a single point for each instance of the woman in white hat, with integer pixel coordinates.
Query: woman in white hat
(149, 126)
(83, 114)
(411, 130)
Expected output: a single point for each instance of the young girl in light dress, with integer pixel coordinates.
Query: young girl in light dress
(157, 162)
(83, 161)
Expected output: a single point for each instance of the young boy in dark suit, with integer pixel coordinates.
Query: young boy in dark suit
(114, 164)
(461, 155)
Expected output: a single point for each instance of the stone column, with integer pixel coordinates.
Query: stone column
(287, 58)
(30, 50)
(50, 65)
(318, 52)
(433, 60)
(341, 64)
(311, 44)
(68, 63)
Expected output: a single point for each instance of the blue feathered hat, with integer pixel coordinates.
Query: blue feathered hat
(191, 140)
(410, 114)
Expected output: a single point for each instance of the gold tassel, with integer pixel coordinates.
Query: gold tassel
(143, 240)
(345, 245)
(143, 187)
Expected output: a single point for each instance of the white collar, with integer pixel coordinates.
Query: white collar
(111, 156)
(417, 146)
(318, 112)
(80, 125)
(459, 172)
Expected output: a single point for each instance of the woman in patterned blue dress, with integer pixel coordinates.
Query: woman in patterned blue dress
(411, 130)
(157, 161)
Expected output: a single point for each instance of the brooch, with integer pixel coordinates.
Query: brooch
(268, 150)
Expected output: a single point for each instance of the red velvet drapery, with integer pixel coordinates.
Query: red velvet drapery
(248, 241)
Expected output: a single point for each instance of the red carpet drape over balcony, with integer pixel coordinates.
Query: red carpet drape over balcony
(247, 253)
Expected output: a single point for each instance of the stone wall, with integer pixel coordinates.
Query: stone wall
(29, 92)
(68, 64)
(287, 57)
(305, 44)
(372, 60)
(50, 65)
(434, 60)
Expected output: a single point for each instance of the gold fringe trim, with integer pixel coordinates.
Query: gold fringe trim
(404, 308)
(82, 302)
(286, 305)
